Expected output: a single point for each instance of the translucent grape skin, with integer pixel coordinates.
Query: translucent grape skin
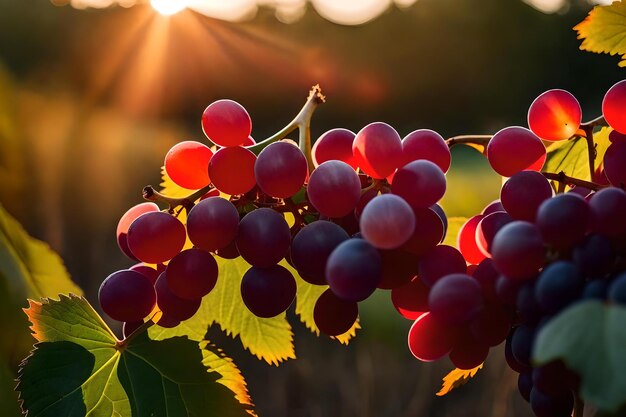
(467, 242)
(226, 123)
(429, 231)
(515, 149)
(353, 270)
(280, 169)
(440, 261)
(607, 212)
(430, 339)
(614, 166)
(232, 170)
(563, 220)
(387, 222)
(429, 145)
(187, 163)
(267, 292)
(555, 115)
(127, 296)
(377, 150)
(334, 316)
(411, 299)
(311, 248)
(518, 250)
(523, 193)
(171, 305)
(192, 274)
(212, 223)
(125, 222)
(455, 299)
(487, 228)
(156, 237)
(421, 183)
(263, 238)
(335, 144)
(334, 189)
(614, 106)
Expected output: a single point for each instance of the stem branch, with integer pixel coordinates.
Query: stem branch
(150, 194)
(565, 179)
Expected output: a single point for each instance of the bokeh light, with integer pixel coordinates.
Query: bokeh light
(168, 7)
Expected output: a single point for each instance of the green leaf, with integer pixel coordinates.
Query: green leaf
(590, 338)
(79, 368)
(454, 225)
(604, 30)
(268, 339)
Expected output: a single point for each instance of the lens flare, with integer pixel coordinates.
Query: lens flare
(168, 7)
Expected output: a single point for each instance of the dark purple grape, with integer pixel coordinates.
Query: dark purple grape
(125, 222)
(263, 238)
(127, 296)
(563, 220)
(130, 326)
(525, 384)
(430, 340)
(229, 251)
(514, 149)
(468, 352)
(267, 292)
(492, 207)
(614, 166)
(491, 325)
(617, 290)
(455, 299)
(172, 305)
(522, 341)
(411, 299)
(506, 290)
(487, 275)
(440, 261)
(280, 169)
(559, 285)
(444, 219)
(354, 270)
(311, 248)
(487, 228)
(528, 308)
(544, 405)
(334, 316)
(429, 231)
(553, 378)
(212, 223)
(597, 289)
(595, 256)
(421, 183)
(581, 191)
(156, 237)
(387, 222)
(518, 250)
(192, 274)
(167, 322)
(399, 267)
(513, 363)
(334, 189)
(148, 271)
(607, 212)
(523, 193)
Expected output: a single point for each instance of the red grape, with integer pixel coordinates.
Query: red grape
(336, 144)
(429, 231)
(334, 316)
(487, 229)
(232, 170)
(353, 270)
(441, 260)
(555, 115)
(267, 292)
(249, 142)
(411, 299)
(430, 339)
(387, 221)
(398, 268)
(125, 222)
(563, 220)
(148, 271)
(492, 207)
(167, 322)
(615, 164)
(515, 149)
(334, 189)
(486, 274)
(263, 238)
(377, 150)
(226, 123)
(212, 223)
(466, 240)
(127, 296)
(518, 250)
(156, 237)
(280, 169)
(426, 144)
(614, 106)
(468, 352)
(171, 305)
(523, 193)
(187, 164)
(192, 274)
(455, 299)
(421, 183)
(607, 212)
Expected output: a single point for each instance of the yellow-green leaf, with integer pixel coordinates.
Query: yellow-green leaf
(456, 378)
(604, 30)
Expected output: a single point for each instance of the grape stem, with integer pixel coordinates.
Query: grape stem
(302, 122)
(150, 194)
(469, 139)
(565, 179)
(121, 345)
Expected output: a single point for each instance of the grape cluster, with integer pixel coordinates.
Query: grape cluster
(530, 255)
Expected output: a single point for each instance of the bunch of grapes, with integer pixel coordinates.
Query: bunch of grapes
(530, 255)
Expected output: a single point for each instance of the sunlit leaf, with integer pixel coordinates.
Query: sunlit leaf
(456, 378)
(454, 225)
(79, 368)
(604, 30)
(590, 338)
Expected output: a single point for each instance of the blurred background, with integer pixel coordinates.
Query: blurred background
(94, 92)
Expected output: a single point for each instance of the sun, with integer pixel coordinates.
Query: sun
(168, 7)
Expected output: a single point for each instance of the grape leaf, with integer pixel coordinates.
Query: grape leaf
(268, 339)
(590, 338)
(79, 368)
(604, 30)
(456, 378)
(454, 225)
